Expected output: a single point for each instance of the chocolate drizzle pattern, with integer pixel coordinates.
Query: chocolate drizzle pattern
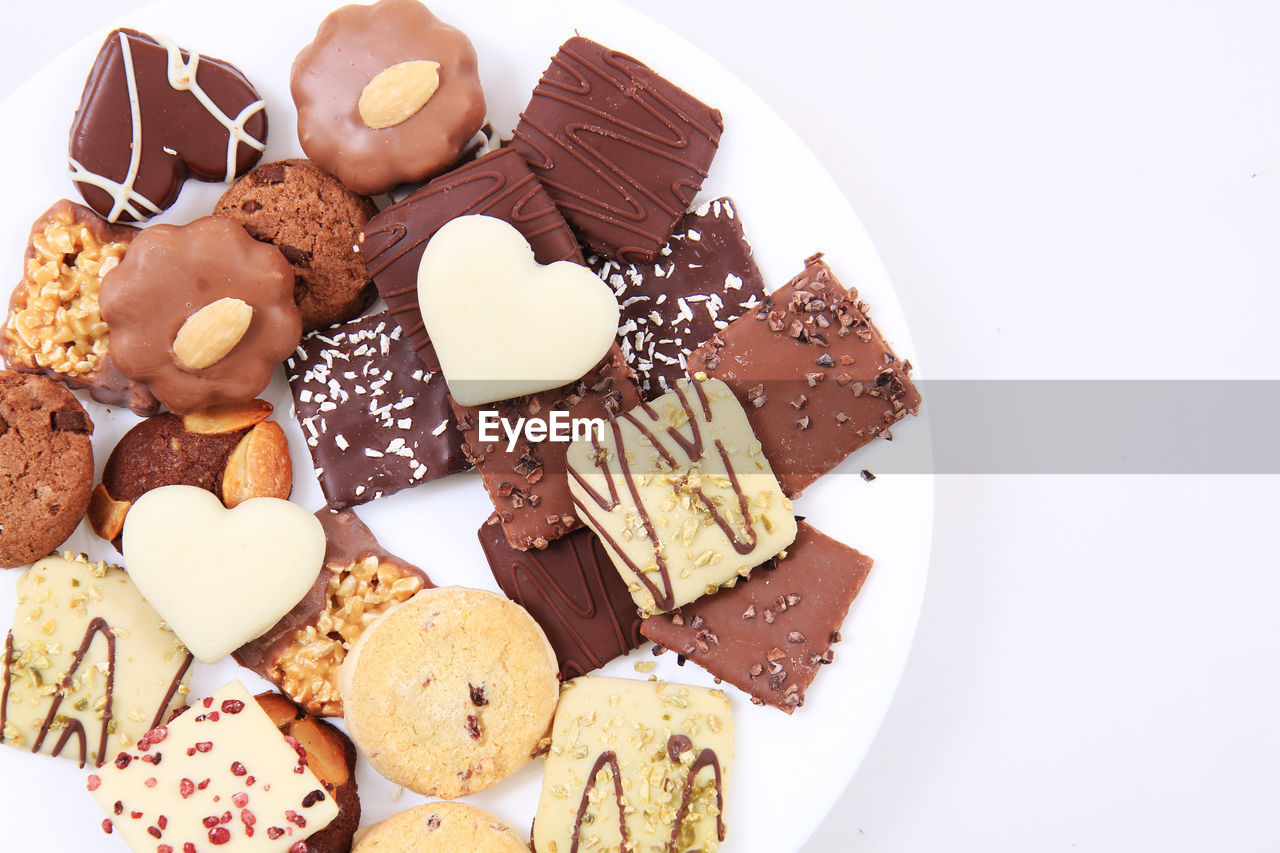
(574, 593)
(606, 759)
(693, 448)
(621, 150)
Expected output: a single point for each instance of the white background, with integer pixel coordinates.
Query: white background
(1060, 190)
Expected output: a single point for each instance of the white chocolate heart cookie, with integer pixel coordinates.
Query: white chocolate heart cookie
(220, 577)
(502, 324)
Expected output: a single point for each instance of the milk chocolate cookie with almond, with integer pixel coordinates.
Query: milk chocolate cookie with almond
(55, 326)
(386, 94)
(201, 313)
(315, 222)
(46, 466)
(232, 451)
(303, 653)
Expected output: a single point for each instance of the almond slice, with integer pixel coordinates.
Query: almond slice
(259, 467)
(228, 417)
(212, 332)
(397, 92)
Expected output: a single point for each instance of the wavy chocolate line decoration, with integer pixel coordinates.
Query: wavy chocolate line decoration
(534, 581)
(693, 448)
(622, 150)
(706, 758)
(74, 727)
(610, 758)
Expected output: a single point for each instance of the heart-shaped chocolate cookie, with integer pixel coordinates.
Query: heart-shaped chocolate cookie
(220, 577)
(504, 325)
(153, 114)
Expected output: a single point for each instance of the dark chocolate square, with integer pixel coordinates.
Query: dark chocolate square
(573, 591)
(529, 484)
(621, 150)
(817, 379)
(703, 279)
(769, 635)
(498, 185)
(375, 417)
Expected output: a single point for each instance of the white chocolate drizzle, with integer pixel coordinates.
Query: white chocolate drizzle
(182, 78)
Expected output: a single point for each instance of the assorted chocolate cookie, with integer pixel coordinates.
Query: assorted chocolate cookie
(683, 483)
(232, 451)
(386, 93)
(314, 221)
(201, 313)
(153, 114)
(360, 581)
(55, 326)
(46, 466)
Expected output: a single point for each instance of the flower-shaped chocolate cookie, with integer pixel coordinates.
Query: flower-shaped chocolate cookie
(201, 313)
(386, 94)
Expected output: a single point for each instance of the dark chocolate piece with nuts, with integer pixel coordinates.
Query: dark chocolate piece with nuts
(815, 375)
(374, 414)
(529, 484)
(232, 451)
(701, 281)
(360, 581)
(771, 634)
(54, 325)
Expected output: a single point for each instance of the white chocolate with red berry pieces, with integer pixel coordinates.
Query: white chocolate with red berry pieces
(228, 780)
(90, 667)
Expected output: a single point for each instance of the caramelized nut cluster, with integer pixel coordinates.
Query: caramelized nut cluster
(358, 593)
(55, 323)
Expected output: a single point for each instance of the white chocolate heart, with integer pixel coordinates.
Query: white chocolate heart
(220, 577)
(502, 324)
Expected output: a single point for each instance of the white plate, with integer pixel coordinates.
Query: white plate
(788, 771)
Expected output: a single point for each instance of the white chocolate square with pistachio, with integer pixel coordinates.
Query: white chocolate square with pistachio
(681, 495)
(89, 665)
(228, 781)
(635, 765)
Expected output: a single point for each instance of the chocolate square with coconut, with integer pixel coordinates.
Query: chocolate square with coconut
(815, 375)
(375, 414)
(770, 635)
(703, 279)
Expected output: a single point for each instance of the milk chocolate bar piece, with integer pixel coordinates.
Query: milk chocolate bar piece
(703, 279)
(769, 635)
(817, 379)
(636, 765)
(375, 416)
(681, 495)
(528, 484)
(572, 590)
(498, 185)
(621, 150)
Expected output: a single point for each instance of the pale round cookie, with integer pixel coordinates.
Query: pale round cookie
(450, 692)
(441, 828)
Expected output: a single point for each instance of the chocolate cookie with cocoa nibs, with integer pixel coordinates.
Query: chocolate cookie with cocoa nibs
(46, 466)
(232, 451)
(815, 375)
(770, 635)
(315, 222)
(375, 414)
